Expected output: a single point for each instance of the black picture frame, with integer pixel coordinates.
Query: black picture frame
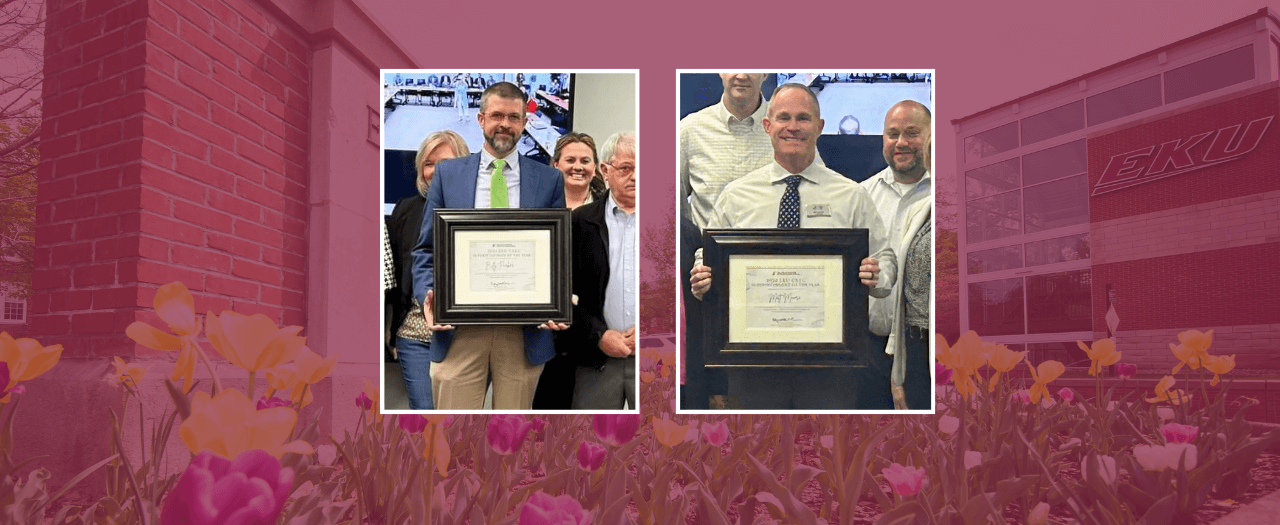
(449, 224)
(720, 245)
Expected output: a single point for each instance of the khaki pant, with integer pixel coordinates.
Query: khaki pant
(478, 355)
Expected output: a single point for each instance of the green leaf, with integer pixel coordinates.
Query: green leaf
(1161, 513)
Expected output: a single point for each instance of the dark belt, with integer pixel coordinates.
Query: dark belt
(917, 332)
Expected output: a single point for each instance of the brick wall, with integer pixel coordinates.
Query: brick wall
(174, 148)
(1253, 345)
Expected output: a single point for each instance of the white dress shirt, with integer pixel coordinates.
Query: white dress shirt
(620, 291)
(827, 200)
(892, 201)
(511, 172)
(715, 148)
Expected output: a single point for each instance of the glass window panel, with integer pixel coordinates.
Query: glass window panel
(995, 259)
(1065, 352)
(1209, 74)
(1055, 163)
(1056, 204)
(995, 307)
(13, 311)
(990, 180)
(1049, 251)
(1059, 302)
(1052, 123)
(991, 142)
(994, 217)
(1124, 101)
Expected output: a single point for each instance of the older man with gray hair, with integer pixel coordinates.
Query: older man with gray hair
(604, 279)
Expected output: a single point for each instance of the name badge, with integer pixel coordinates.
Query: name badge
(818, 210)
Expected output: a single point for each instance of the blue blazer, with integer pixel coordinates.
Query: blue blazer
(454, 186)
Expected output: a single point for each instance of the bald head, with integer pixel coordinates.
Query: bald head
(907, 132)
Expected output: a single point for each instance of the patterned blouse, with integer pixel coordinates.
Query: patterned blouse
(916, 276)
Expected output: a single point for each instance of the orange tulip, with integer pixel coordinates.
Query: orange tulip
(1193, 349)
(1044, 374)
(1103, 353)
(253, 342)
(230, 423)
(174, 305)
(1176, 397)
(965, 358)
(668, 432)
(1002, 360)
(647, 377)
(1219, 365)
(27, 359)
(129, 374)
(371, 391)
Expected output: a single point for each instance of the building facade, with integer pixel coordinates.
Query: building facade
(1149, 186)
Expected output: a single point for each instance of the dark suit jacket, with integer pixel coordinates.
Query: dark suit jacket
(590, 276)
(454, 186)
(403, 229)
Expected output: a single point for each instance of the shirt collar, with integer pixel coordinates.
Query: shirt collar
(513, 160)
(812, 173)
(886, 176)
(723, 114)
(611, 205)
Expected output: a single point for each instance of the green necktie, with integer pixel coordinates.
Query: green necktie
(498, 186)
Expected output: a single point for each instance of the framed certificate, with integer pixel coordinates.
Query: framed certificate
(785, 298)
(507, 266)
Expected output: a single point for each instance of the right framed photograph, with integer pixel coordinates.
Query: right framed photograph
(806, 244)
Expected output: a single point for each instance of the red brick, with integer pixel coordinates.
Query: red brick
(71, 254)
(256, 272)
(156, 153)
(202, 258)
(94, 137)
(73, 209)
(125, 106)
(295, 172)
(81, 32)
(295, 136)
(77, 120)
(97, 322)
(145, 271)
(55, 189)
(247, 12)
(45, 279)
(294, 280)
(132, 246)
(295, 155)
(254, 232)
(275, 145)
(177, 47)
(291, 44)
(259, 194)
(124, 297)
(202, 171)
(235, 205)
(293, 261)
(259, 155)
(206, 130)
(40, 257)
(203, 216)
(58, 103)
(50, 325)
(95, 227)
(69, 300)
(160, 61)
(184, 142)
(234, 246)
(244, 170)
(124, 60)
(296, 118)
(206, 86)
(77, 77)
(251, 308)
(229, 77)
(192, 14)
(204, 42)
(277, 52)
(181, 95)
(267, 121)
(164, 181)
(157, 107)
(107, 89)
(232, 287)
(236, 124)
(169, 229)
(96, 8)
(47, 234)
(262, 78)
(61, 59)
(38, 303)
(233, 41)
(293, 317)
(121, 153)
(44, 213)
(272, 219)
(103, 45)
(294, 244)
(95, 275)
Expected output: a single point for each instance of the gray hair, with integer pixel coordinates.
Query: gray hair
(817, 108)
(505, 90)
(620, 142)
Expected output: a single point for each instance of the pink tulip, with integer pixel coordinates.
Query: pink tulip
(1022, 395)
(590, 455)
(1126, 370)
(1067, 395)
(906, 481)
(539, 424)
(941, 374)
(616, 430)
(543, 509)
(507, 432)
(1160, 457)
(827, 441)
(715, 433)
(1105, 465)
(363, 401)
(411, 423)
(1178, 434)
(271, 402)
(251, 490)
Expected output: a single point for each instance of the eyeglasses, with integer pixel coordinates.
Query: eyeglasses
(625, 169)
(513, 118)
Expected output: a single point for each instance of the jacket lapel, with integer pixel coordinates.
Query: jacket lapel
(529, 183)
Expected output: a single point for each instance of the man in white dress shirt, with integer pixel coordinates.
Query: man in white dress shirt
(907, 132)
(794, 191)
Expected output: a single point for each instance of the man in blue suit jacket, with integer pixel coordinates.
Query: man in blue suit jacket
(512, 356)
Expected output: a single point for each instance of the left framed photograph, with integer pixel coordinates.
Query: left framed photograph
(503, 266)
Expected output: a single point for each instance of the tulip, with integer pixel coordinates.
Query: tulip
(1071, 443)
(311, 367)
(250, 490)
(668, 432)
(941, 374)
(539, 425)
(1193, 350)
(1067, 395)
(1044, 374)
(271, 402)
(253, 342)
(4, 380)
(1104, 465)
(590, 455)
(325, 454)
(1160, 457)
(1022, 395)
(1176, 397)
(965, 358)
(230, 423)
(174, 305)
(368, 400)
(286, 377)
(1002, 360)
(1102, 353)
(716, 433)
(616, 430)
(827, 441)
(544, 509)
(129, 374)
(1179, 434)
(1039, 515)
(1126, 370)
(647, 377)
(507, 433)
(411, 423)
(1219, 365)
(1165, 413)
(972, 458)
(27, 359)
(948, 424)
(906, 481)
(363, 402)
